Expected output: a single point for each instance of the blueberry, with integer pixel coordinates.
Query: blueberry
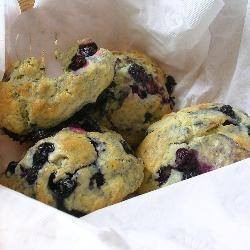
(185, 159)
(170, 83)
(88, 49)
(189, 174)
(138, 73)
(75, 213)
(31, 175)
(98, 145)
(34, 136)
(227, 122)
(227, 110)
(152, 88)
(11, 168)
(41, 155)
(126, 147)
(77, 62)
(139, 90)
(163, 174)
(97, 178)
(24, 171)
(62, 188)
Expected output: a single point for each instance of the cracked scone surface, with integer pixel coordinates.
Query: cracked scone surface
(136, 98)
(77, 172)
(29, 99)
(193, 141)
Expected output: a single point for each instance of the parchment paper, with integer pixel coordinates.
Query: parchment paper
(205, 45)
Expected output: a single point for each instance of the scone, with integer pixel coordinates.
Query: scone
(31, 102)
(193, 141)
(77, 171)
(136, 98)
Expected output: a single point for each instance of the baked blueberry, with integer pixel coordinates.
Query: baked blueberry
(41, 155)
(77, 62)
(138, 73)
(227, 110)
(88, 49)
(62, 188)
(31, 175)
(191, 173)
(170, 84)
(96, 179)
(185, 159)
(11, 168)
(163, 174)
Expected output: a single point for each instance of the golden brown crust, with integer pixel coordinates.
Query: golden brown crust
(45, 102)
(149, 62)
(218, 139)
(103, 172)
(127, 112)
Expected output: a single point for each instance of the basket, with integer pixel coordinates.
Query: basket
(26, 4)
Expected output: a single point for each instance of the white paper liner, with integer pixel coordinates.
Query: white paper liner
(205, 46)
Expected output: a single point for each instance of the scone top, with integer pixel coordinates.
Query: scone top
(77, 171)
(31, 100)
(193, 141)
(137, 96)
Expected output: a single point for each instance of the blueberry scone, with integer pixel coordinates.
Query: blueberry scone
(77, 171)
(193, 141)
(136, 98)
(30, 102)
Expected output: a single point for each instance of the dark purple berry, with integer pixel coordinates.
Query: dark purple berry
(126, 147)
(87, 49)
(62, 188)
(97, 178)
(227, 122)
(138, 73)
(139, 90)
(11, 168)
(189, 174)
(31, 175)
(77, 62)
(185, 159)
(170, 83)
(41, 155)
(75, 213)
(163, 174)
(24, 171)
(227, 110)
(98, 145)
(152, 87)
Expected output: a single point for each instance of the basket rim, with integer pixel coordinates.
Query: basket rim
(25, 4)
